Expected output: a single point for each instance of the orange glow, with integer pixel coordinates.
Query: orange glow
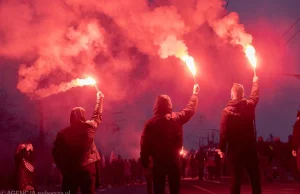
(189, 61)
(86, 82)
(250, 53)
(182, 152)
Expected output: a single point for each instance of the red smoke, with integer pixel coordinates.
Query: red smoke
(59, 41)
(67, 36)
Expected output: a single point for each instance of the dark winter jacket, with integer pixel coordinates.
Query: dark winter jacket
(162, 135)
(74, 146)
(296, 135)
(237, 127)
(263, 149)
(200, 157)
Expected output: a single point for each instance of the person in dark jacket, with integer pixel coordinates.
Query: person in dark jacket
(237, 132)
(75, 152)
(162, 140)
(296, 140)
(183, 164)
(264, 155)
(24, 168)
(279, 159)
(200, 158)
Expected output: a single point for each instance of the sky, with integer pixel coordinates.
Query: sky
(132, 50)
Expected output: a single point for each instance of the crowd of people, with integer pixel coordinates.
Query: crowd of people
(79, 165)
(275, 162)
(114, 172)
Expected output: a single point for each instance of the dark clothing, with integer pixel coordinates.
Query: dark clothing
(162, 140)
(279, 153)
(193, 166)
(263, 149)
(162, 136)
(237, 131)
(237, 170)
(74, 147)
(149, 181)
(85, 179)
(296, 135)
(171, 169)
(218, 166)
(200, 158)
(182, 166)
(237, 128)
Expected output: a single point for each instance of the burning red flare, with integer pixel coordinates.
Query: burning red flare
(250, 54)
(182, 152)
(63, 87)
(190, 63)
(86, 82)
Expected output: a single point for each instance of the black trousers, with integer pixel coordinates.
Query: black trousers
(85, 179)
(161, 170)
(200, 171)
(237, 169)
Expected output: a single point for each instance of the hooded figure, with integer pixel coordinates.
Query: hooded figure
(75, 152)
(237, 133)
(162, 141)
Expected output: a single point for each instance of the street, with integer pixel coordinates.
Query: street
(210, 187)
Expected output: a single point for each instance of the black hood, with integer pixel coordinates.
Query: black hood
(236, 107)
(162, 105)
(77, 116)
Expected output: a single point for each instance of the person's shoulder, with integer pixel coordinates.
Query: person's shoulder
(149, 122)
(63, 131)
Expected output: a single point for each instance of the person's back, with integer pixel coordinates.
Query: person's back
(237, 133)
(241, 134)
(75, 152)
(169, 141)
(162, 140)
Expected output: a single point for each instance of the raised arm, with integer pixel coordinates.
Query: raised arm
(97, 115)
(254, 96)
(186, 114)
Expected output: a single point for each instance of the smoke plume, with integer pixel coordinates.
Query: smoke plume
(119, 41)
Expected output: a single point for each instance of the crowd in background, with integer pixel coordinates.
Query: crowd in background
(113, 172)
(275, 160)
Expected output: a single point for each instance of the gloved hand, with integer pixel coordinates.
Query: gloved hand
(294, 153)
(255, 79)
(100, 95)
(196, 89)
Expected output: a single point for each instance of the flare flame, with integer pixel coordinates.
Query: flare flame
(250, 54)
(63, 87)
(190, 63)
(86, 82)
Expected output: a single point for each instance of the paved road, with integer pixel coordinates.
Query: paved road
(210, 187)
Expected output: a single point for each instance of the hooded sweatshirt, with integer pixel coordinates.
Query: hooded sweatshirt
(237, 130)
(74, 146)
(162, 135)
